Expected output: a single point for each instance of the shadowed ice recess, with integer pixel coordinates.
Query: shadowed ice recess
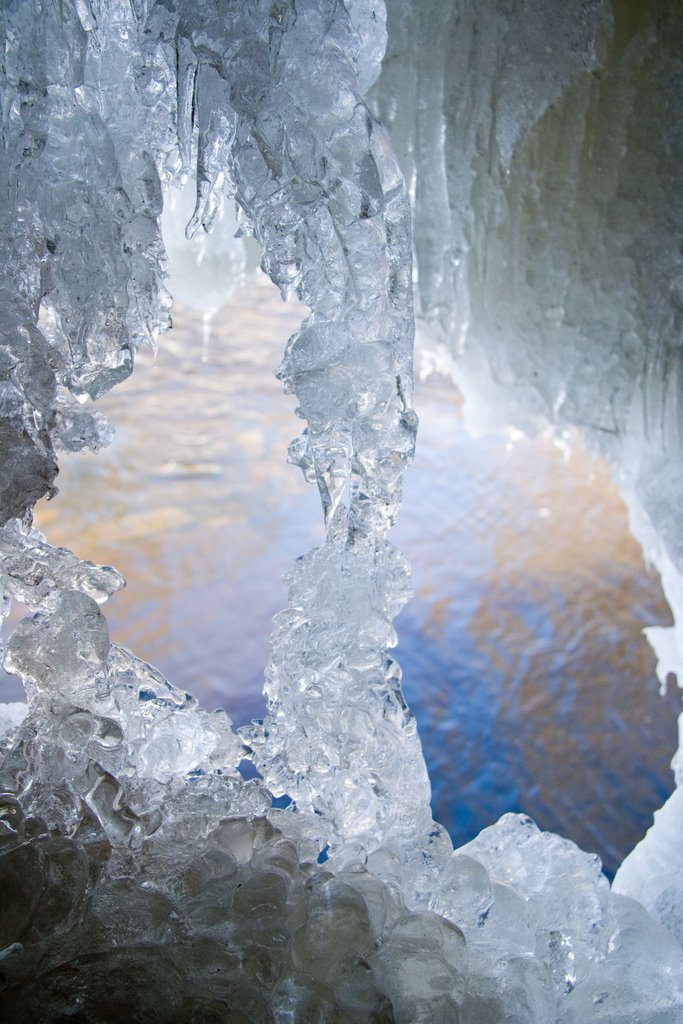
(507, 176)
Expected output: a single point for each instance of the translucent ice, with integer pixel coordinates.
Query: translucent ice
(144, 879)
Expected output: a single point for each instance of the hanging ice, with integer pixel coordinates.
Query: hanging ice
(143, 879)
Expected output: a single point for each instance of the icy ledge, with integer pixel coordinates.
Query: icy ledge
(143, 878)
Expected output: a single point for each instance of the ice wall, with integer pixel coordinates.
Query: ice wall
(544, 146)
(143, 879)
(547, 197)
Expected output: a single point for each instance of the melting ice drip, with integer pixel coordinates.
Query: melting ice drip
(143, 879)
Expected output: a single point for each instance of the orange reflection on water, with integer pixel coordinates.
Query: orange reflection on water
(193, 501)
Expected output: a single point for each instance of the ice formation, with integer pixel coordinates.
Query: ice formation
(143, 878)
(548, 176)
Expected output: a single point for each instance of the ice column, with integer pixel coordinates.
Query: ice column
(322, 192)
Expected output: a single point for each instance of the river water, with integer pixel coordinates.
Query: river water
(522, 652)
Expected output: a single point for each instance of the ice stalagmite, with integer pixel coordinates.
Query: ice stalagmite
(143, 879)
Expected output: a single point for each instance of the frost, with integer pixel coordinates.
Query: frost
(144, 878)
(11, 717)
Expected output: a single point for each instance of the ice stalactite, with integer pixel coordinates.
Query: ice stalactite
(145, 879)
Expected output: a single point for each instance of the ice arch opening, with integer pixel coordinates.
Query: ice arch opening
(520, 704)
(146, 880)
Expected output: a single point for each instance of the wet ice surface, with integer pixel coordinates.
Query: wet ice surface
(523, 662)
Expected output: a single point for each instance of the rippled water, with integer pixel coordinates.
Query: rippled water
(522, 653)
(522, 650)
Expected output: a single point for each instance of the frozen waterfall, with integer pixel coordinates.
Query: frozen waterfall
(143, 878)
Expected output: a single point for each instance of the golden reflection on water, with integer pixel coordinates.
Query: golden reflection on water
(193, 501)
(522, 655)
